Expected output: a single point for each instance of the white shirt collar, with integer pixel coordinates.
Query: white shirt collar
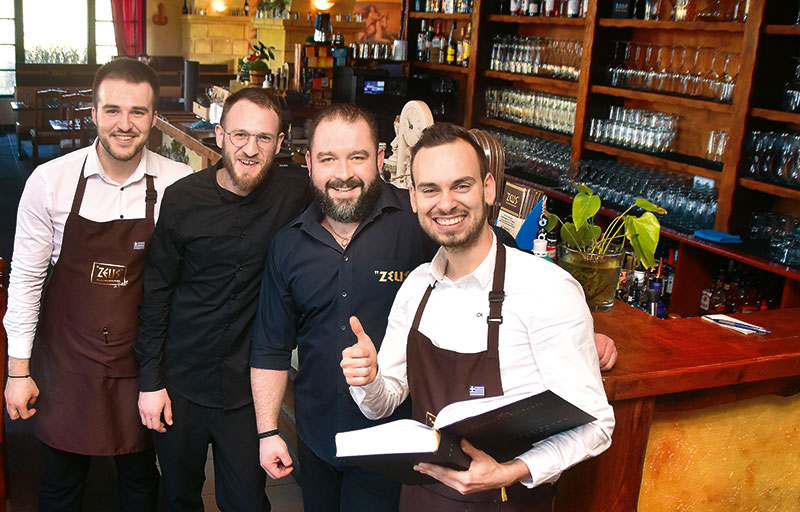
(93, 166)
(483, 274)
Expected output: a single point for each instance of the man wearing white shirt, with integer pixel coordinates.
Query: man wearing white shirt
(86, 220)
(538, 336)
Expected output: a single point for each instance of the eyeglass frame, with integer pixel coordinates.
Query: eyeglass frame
(250, 136)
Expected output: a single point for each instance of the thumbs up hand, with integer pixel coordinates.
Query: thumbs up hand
(359, 361)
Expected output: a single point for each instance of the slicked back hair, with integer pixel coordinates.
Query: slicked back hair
(128, 70)
(346, 112)
(440, 134)
(262, 97)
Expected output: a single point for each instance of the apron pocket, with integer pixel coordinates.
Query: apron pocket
(98, 350)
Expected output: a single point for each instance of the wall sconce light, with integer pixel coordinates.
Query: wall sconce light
(322, 5)
(219, 6)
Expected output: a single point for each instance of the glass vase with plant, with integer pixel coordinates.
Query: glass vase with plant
(594, 256)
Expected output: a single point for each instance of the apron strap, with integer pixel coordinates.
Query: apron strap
(150, 197)
(421, 307)
(496, 298)
(81, 188)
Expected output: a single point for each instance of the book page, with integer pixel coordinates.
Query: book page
(458, 411)
(401, 436)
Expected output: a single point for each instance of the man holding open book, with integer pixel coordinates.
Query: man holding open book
(539, 337)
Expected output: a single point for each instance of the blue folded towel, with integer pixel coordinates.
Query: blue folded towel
(202, 125)
(713, 235)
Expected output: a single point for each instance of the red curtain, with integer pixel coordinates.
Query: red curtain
(128, 26)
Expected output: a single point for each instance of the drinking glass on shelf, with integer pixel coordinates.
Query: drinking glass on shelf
(695, 75)
(727, 82)
(710, 84)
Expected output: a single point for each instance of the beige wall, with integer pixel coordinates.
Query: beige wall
(164, 39)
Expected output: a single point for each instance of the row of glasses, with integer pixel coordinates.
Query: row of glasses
(781, 232)
(689, 206)
(773, 157)
(544, 56)
(544, 160)
(554, 113)
(681, 70)
(636, 128)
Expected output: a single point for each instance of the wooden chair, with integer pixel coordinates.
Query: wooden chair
(75, 109)
(45, 103)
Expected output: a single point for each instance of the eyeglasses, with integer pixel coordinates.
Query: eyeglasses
(239, 138)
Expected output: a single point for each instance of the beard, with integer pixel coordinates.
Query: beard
(457, 241)
(245, 183)
(348, 211)
(105, 141)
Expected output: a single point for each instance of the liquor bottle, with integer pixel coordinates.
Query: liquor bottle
(573, 8)
(460, 48)
(534, 7)
(523, 7)
(466, 44)
(429, 42)
(514, 7)
(185, 7)
(450, 58)
(549, 7)
(438, 49)
(448, 6)
(421, 42)
(246, 8)
(562, 8)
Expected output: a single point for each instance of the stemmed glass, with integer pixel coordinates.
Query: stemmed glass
(711, 80)
(727, 82)
(695, 76)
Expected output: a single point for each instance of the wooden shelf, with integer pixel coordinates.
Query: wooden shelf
(776, 115)
(440, 16)
(725, 250)
(689, 26)
(544, 84)
(655, 97)
(527, 130)
(654, 161)
(447, 68)
(769, 188)
(782, 30)
(539, 20)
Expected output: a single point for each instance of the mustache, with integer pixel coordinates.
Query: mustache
(352, 182)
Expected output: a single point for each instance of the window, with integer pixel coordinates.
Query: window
(8, 58)
(63, 34)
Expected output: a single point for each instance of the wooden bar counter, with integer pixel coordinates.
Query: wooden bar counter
(707, 419)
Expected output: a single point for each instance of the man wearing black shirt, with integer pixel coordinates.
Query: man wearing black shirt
(200, 290)
(346, 254)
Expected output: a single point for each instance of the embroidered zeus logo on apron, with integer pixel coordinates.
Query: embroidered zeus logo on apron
(108, 274)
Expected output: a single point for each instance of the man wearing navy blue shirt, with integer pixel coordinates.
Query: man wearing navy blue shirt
(346, 254)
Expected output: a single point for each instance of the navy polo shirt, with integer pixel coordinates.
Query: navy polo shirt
(312, 286)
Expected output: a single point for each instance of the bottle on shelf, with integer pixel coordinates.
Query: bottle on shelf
(466, 44)
(185, 7)
(549, 8)
(448, 6)
(450, 57)
(429, 42)
(460, 47)
(574, 9)
(534, 7)
(514, 7)
(246, 8)
(791, 91)
(438, 48)
(421, 41)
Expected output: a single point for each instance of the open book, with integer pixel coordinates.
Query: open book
(503, 426)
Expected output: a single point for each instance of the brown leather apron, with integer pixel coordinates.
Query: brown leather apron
(439, 377)
(83, 359)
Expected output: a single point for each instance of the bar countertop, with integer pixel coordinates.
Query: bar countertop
(658, 357)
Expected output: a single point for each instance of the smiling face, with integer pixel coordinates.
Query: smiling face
(124, 116)
(343, 164)
(247, 166)
(449, 196)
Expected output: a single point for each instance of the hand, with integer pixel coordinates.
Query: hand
(151, 405)
(484, 472)
(360, 361)
(274, 457)
(606, 351)
(20, 394)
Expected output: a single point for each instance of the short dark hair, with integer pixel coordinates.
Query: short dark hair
(129, 70)
(344, 112)
(440, 134)
(262, 97)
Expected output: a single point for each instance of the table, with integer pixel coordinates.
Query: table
(693, 370)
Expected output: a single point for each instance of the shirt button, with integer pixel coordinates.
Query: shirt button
(233, 296)
(344, 294)
(241, 235)
(228, 327)
(342, 327)
(121, 189)
(346, 258)
(241, 268)
(121, 216)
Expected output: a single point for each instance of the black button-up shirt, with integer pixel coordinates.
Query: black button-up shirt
(312, 286)
(202, 280)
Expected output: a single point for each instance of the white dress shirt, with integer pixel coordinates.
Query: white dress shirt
(43, 211)
(546, 342)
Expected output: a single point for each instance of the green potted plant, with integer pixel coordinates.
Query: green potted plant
(594, 257)
(254, 67)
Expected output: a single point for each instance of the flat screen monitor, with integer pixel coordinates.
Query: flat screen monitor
(374, 86)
